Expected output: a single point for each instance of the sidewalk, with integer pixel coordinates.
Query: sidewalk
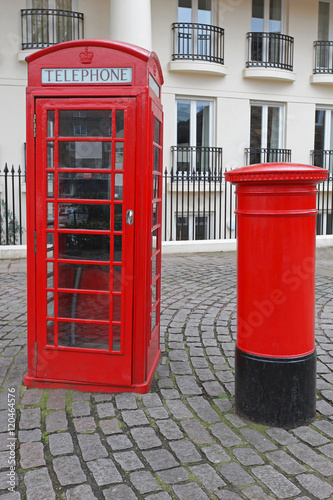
(183, 440)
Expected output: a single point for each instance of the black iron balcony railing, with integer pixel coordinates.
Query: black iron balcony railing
(196, 161)
(270, 50)
(267, 155)
(323, 158)
(323, 57)
(44, 27)
(198, 42)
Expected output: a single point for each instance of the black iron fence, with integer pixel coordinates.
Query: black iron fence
(323, 57)
(12, 211)
(324, 158)
(270, 50)
(267, 155)
(195, 41)
(44, 27)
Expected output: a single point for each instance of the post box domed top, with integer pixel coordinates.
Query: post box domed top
(106, 61)
(276, 172)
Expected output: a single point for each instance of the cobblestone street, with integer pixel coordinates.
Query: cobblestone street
(183, 440)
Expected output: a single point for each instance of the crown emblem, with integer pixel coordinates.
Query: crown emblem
(86, 56)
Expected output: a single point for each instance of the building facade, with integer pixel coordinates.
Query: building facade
(246, 81)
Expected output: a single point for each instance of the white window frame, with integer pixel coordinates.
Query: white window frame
(330, 21)
(266, 16)
(328, 126)
(52, 5)
(191, 235)
(194, 9)
(264, 123)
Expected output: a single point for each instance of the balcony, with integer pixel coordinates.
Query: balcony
(270, 56)
(267, 155)
(323, 158)
(197, 47)
(323, 62)
(44, 27)
(196, 162)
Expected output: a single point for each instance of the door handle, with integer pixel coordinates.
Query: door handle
(129, 217)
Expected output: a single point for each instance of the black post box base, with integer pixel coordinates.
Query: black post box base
(274, 391)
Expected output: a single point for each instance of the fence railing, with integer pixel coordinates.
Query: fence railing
(323, 57)
(201, 42)
(200, 160)
(44, 27)
(12, 211)
(267, 155)
(270, 50)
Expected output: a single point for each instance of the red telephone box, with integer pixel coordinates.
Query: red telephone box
(94, 181)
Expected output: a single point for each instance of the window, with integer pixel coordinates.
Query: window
(323, 46)
(267, 16)
(323, 141)
(195, 11)
(194, 135)
(194, 227)
(266, 133)
(324, 21)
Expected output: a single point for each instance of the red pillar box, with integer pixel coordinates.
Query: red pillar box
(275, 369)
(94, 183)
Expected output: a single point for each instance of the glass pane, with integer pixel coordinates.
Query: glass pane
(155, 213)
(204, 11)
(153, 320)
(83, 277)
(50, 304)
(83, 306)
(116, 337)
(320, 130)
(85, 154)
(50, 215)
(156, 159)
(156, 186)
(78, 185)
(50, 246)
(154, 267)
(85, 123)
(257, 16)
(84, 216)
(84, 335)
(117, 278)
(202, 124)
(155, 234)
(50, 275)
(323, 21)
(50, 332)
(201, 228)
(119, 156)
(275, 16)
(119, 123)
(117, 308)
(118, 188)
(118, 217)
(84, 246)
(50, 155)
(157, 131)
(50, 123)
(50, 185)
(153, 294)
(183, 123)
(273, 128)
(255, 131)
(117, 248)
(182, 228)
(184, 11)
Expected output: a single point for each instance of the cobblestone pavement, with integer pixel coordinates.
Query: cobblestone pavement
(183, 440)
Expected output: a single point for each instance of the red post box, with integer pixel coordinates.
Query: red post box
(94, 181)
(275, 369)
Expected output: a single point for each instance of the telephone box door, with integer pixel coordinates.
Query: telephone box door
(85, 189)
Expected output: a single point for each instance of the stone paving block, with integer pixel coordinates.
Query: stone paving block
(160, 459)
(215, 454)
(99, 398)
(213, 389)
(247, 456)
(151, 400)
(197, 432)
(327, 449)
(256, 493)
(91, 447)
(158, 413)
(82, 492)
(104, 471)
(105, 410)
(325, 427)
(68, 470)
(81, 396)
(11, 496)
(81, 409)
(56, 421)
(128, 460)
(285, 462)
(121, 492)
(235, 420)
(32, 455)
(200, 363)
(204, 374)
(203, 409)
(60, 444)
(185, 451)
(235, 474)
(180, 368)
(189, 491)
(30, 419)
(173, 476)
(170, 394)
(126, 401)
(225, 435)
(169, 429)
(314, 438)
(316, 486)
(110, 426)
(223, 404)
(311, 458)
(119, 442)
(281, 436)
(324, 408)
(258, 440)
(178, 409)
(39, 485)
(84, 424)
(56, 399)
(276, 482)
(208, 477)
(144, 482)
(134, 417)
(145, 438)
(32, 397)
(178, 355)
(227, 495)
